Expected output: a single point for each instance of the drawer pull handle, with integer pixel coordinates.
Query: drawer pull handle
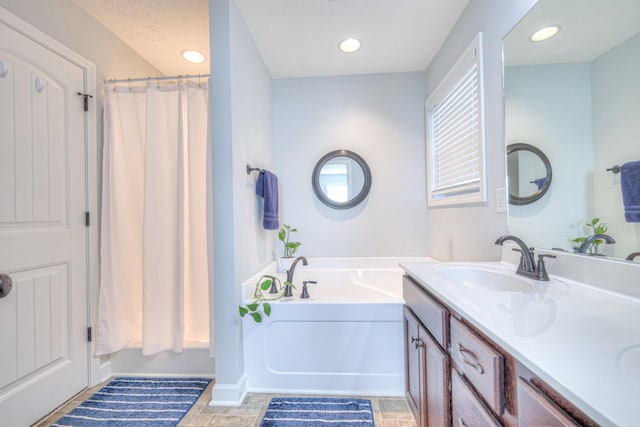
(469, 359)
(461, 422)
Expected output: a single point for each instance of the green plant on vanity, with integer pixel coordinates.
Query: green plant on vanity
(289, 247)
(598, 228)
(261, 305)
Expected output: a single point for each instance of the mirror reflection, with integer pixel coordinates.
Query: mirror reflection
(341, 179)
(529, 173)
(575, 97)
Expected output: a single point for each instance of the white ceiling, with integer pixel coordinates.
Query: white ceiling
(588, 28)
(300, 37)
(296, 38)
(158, 30)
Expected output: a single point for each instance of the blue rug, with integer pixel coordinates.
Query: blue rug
(139, 402)
(317, 412)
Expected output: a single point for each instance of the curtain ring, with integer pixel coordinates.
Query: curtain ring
(199, 82)
(129, 80)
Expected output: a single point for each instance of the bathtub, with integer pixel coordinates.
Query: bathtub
(345, 339)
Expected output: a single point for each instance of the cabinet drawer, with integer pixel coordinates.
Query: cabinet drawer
(481, 364)
(433, 315)
(467, 409)
(536, 409)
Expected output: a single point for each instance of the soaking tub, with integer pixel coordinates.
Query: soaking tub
(345, 339)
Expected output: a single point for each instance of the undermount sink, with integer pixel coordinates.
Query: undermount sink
(484, 278)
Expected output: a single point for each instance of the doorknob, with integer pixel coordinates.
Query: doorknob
(6, 283)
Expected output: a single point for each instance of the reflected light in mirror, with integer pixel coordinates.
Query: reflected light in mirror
(544, 33)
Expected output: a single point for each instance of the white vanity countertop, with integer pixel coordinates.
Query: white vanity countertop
(584, 341)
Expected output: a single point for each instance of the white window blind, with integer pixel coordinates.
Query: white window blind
(455, 133)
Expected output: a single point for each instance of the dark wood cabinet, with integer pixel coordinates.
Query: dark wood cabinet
(414, 366)
(457, 376)
(427, 382)
(536, 409)
(468, 409)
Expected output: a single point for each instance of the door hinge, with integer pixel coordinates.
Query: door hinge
(87, 218)
(89, 334)
(86, 100)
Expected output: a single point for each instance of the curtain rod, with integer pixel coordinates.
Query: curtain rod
(157, 79)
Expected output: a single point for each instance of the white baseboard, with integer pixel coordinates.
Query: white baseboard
(229, 394)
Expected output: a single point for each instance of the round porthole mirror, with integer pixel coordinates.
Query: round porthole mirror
(341, 179)
(529, 173)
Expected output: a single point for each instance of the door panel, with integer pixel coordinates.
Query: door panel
(43, 242)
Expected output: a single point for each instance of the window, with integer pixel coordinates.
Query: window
(455, 133)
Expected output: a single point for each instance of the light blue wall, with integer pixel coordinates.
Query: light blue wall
(468, 233)
(549, 107)
(241, 134)
(380, 117)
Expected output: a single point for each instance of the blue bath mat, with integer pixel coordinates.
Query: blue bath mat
(140, 402)
(317, 412)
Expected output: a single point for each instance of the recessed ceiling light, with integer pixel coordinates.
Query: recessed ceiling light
(193, 56)
(349, 45)
(544, 33)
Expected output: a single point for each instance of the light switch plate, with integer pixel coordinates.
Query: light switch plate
(501, 200)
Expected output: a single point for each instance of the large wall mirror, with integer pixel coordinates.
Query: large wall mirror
(341, 179)
(576, 97)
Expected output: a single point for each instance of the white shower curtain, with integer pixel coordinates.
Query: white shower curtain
(153, 271)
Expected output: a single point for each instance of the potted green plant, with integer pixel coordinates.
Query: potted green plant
(598, 228)
(268, 288)
(290, 247)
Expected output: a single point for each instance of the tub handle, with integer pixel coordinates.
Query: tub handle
(305, 291)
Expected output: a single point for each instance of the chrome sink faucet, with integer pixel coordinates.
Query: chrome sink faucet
(290, 271)
(527, 266)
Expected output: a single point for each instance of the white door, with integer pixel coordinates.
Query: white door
(43, 238)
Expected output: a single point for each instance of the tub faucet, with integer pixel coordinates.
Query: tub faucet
(290, 272)
(585, 245)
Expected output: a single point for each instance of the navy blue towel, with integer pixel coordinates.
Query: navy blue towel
(630, 183)
(267, 187)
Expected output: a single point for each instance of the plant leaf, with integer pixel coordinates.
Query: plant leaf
(242, 311)
(267, 308)
(257, 317)
(266, 284)
(281, 234)
(252, 307)
(594, 221)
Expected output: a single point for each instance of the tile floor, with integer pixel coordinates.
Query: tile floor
(387, 411)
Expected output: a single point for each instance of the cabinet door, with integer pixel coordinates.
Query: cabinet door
(414, 367)
(538, 410)
(437, 381)
(467, 408)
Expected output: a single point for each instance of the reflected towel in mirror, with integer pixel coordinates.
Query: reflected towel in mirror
(630, 184)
